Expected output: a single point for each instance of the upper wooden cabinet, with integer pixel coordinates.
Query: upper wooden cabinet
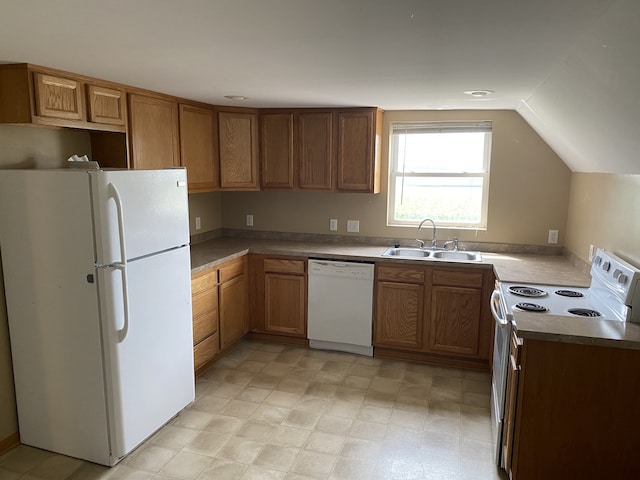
(316, 155)
(198, 148)
(358, 162)
(106, 105)
(37, 95)
(237, 136)
(296, 150)
(153, 129)
(277, 150)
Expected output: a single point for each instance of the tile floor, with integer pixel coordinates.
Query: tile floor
(271, 412)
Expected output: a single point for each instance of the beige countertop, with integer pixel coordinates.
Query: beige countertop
(586, 331)
(511, 268)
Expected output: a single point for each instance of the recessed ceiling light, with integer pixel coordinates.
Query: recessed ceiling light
(479, 93)
(238, 98)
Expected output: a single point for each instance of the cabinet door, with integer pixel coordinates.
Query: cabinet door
(358, 165)
(153, 132)
(106, 105)
(398, 317)
(233, 299)
(276, 150)
(454, 324)
(198, 151)
(315, 151)
(204, 301)
(59, 97)
(285, 302)
(238, 152)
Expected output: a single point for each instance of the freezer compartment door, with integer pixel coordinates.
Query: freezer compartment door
(139, 212)
(149, 353)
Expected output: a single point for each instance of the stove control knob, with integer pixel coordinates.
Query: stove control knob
(622, 279)
(606, 266)
(597, 260)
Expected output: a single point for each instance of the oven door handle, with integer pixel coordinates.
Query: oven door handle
(495, 299)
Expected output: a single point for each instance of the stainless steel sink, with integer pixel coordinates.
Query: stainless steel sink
(458, 255)
(430, 254)
(406, 252)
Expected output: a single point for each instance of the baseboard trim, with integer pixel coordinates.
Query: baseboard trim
(8, 443)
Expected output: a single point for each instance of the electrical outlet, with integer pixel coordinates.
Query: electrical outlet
(198, 224)
(333, 224)
(592, 252)
(553, 236)
(353, 226)
(249, 220)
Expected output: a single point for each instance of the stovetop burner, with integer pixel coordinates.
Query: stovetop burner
(531, 307)
(584, 312)
(569, 293)
(524, 291)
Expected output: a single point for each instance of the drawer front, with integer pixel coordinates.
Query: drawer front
(453, 278)
(400, 274)
(205, 315)
(232, 269)
(280, 265)
(205, 350)
(203, 281)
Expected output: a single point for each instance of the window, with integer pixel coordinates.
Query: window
(440, 171)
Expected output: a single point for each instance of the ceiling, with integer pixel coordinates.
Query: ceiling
(568, 66)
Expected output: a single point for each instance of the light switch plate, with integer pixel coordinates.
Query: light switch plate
(353, 226)
(198, 223)
(249, 220)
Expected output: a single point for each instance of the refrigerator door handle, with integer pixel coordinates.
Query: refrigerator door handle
(122, 265)
(113, 193)
(122, 333)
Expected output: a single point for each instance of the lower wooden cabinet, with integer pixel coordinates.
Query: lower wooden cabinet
(279, 296)
(233, 302)
(433, 314)
(204, 304)
(219, 305)
(571, 411)
(399, 308)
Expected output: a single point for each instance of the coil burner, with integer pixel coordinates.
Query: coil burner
(531, 307)
(584, 312)
(524, 291)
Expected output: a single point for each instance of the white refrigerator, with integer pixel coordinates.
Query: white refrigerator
(97, 280)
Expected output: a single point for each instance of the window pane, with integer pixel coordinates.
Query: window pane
(441, 152)
(445, 199)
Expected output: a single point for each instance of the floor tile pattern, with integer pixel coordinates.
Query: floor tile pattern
(273, 412)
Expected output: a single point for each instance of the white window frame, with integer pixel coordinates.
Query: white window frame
(395, 168)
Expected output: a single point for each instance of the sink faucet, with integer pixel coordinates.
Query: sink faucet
(453, 242)
(433, 240)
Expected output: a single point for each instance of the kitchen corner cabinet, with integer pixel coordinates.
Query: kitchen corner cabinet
(433, 314)
(153, 129)
(571, 411)
(198, 147)
(358, 162)
(279, 295)
(237, 137)
(41, 96)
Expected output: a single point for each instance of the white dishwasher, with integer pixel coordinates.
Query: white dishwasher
(340, 306)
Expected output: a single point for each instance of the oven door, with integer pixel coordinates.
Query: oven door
(500, 364)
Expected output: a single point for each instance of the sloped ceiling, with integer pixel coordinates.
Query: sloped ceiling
(546, 59)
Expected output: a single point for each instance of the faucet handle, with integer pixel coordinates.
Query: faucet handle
(420, 242)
